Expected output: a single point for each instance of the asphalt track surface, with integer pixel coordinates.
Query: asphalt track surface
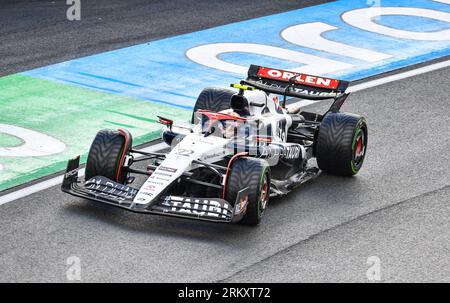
(396, 208)
(37, 33)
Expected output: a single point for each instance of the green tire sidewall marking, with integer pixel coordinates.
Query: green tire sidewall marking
(261, 183)
(357, 132)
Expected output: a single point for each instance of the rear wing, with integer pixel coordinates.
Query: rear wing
(293, 84)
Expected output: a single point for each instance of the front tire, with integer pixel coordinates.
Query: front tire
(254, 174)
(341, 144)
(106, 155)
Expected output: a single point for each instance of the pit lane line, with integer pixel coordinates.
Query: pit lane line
(21, 193)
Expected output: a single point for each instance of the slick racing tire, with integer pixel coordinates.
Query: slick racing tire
(107, 155)
(214, 99)
(254, 174)
(341, 144)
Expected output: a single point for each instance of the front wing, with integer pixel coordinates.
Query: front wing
(104, 190)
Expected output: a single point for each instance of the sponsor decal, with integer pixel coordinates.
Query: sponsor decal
(184, 152)
(71, 173)
(167, 169)
(149, 187)
(287, 151)
(111, 190)
(291, 152)
(314, 93)
(297, 78)
(298, 90)
(145, 193)
(159, 178)
(215, 155)
(267, 152)
(152, 181)
(162, 174)
(198, 207)
(206, 142)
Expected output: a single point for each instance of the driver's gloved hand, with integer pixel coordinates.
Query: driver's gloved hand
(293, 108)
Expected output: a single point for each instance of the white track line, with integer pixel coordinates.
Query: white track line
(400, 76)
(355, 88)
(388, 79)
(58, 180)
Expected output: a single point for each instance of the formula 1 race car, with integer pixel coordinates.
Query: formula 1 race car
(242, 149)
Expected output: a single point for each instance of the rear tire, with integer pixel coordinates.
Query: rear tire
(254, 174)
(105, 156)
(213, 99)
(341, 144)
